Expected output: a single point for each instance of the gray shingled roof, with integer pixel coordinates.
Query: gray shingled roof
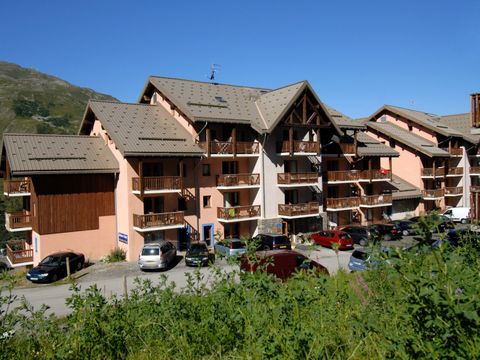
(429, 121)
(140, 130)
(402, 190)
(463, 124)
(368, 146)
(407, 138)
(343, 121)
(261, 108)
(34, 154)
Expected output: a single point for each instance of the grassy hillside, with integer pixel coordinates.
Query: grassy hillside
(33, 102)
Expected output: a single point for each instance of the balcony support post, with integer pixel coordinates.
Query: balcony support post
(390, 166)
(234, 141)
(290, 140)
(140, 173)
(208, 140)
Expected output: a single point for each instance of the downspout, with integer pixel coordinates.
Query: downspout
(115, 180)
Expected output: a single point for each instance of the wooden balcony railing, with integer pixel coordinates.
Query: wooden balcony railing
(16, 187)
(158, 220)
(455, 171)
(348, 148)
(227, 147)
(378, 174)
(311, 208)
(348, 175)
(475, 188)
(475, 170)
(301, 146)
(238, 212)
(238, 179)
(440, 172)
(453, 190)
(297, 178)
(454, 151)
(341, 203)
(157, 183)
(18, 253)
(372, 200)
(18, 220)
(436, 193)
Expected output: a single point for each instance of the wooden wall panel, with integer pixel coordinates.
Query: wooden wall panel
(65, 203)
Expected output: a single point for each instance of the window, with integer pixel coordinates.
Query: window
(230, 167)
(206, 169)
(206, 201)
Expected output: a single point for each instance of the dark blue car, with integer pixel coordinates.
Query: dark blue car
(54, 267)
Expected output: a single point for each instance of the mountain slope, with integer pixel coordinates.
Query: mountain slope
(33, 102)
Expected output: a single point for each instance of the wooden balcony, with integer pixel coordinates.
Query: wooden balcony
(348, 148)
(376, 175)
(17, 187)
(455, 171)
(230, 148)
(475, 188)
(435, 194)
(238, 181)
(292, 211)
(339, 204)
(157, 184)
(238, 213)
(475, 170)
(300, 147)
(19, 253)
(158, 221)
(346, 176)
(430, 173)
(376, 200)
(453, 191)
(297, 179)
(20, 221)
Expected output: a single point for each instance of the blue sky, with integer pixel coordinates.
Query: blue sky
(358, 55)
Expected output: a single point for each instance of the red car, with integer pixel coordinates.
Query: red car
(329, 237)
(281, 263)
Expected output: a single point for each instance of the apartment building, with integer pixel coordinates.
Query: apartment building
(190, 161)
(438, 154)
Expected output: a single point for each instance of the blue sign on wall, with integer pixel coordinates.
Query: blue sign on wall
(123, 238)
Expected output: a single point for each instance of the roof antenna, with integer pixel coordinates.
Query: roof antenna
(213, 69)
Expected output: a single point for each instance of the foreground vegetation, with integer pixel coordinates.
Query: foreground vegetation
(424, 304)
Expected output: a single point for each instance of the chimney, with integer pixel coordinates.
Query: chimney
(475, 109)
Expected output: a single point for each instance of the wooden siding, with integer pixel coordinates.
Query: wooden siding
(66, 203)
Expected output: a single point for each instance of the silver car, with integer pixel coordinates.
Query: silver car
(230, 247)
(157, 255)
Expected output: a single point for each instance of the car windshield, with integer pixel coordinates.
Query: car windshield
(198, 248)
(150, 251)
(237, 245)
(360, 255)
(51, 261)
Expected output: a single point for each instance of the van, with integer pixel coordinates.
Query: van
(458, 214)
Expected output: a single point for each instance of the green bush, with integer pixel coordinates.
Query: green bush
(424, 305)
(116, 255)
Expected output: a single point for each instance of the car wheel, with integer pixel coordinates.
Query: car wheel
(363, 242)
(79, 266)
(266, 248)
(405, 232)
(464, 221)
(387, 237)
(54, 277)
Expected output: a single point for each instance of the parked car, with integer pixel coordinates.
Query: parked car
(329, 237)
(386, 232)
(458, 214)
(157, 255)
(442, 223)
(54, 267)
(272, 241)
(4, 266)
(281, 263)
(367, 258)
(198, 255)
(405, 226)
(359, 234)
(230, 247)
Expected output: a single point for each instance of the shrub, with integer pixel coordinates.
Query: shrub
(116, 255)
